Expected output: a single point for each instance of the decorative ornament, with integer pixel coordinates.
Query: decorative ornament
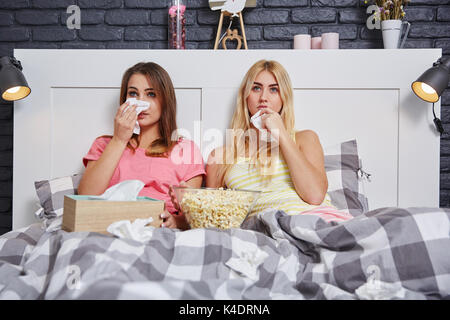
(232, 35)
(177, 25)
(232, 8)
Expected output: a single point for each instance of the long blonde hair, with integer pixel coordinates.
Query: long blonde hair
(241, 119)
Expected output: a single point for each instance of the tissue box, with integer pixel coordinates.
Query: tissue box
(82, 214)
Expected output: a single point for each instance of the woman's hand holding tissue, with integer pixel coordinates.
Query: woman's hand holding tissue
(124, 122)
(176, 221)
(272, 121)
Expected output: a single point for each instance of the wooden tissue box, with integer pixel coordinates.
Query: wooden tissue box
(82, 214)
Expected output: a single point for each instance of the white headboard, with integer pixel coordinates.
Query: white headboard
(341, 94)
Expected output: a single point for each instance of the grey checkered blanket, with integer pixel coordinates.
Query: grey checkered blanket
(389, 253)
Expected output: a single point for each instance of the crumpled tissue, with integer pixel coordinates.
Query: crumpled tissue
(140, 106)
(137, 230)
(247, 262)
(127, 190)
(379, 290)
(257, 122)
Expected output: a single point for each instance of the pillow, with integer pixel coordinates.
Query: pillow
(51, 194)
(346, 178)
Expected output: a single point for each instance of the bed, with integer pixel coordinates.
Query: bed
(382, 162)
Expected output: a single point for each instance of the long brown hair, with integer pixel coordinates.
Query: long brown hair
(165, 91)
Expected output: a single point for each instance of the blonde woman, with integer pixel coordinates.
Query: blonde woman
(289, 169)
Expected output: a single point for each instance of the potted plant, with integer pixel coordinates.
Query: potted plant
(391, 13)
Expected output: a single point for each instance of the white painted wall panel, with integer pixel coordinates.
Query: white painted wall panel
(86, 113)
(369, 115)
(218, 108)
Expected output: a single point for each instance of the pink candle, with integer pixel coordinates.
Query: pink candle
(316, 43)
(302, 41)
(330, 40)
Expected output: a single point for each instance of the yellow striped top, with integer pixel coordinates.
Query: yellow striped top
(277, 192)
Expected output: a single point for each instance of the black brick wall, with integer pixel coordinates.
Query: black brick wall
(142, 24)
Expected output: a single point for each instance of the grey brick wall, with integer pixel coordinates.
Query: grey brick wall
(142, 24)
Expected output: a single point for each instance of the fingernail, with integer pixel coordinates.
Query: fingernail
(162, 225)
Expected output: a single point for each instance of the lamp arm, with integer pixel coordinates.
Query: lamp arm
(444, 62)
(16, 63)
(8, 60)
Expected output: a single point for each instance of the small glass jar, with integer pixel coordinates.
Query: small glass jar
(176, 25)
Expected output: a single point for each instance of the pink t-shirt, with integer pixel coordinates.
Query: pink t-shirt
(158, 173)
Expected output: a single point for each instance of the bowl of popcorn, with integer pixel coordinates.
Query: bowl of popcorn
(215, 208)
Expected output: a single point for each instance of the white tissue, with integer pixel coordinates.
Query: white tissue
(247, 262)
(137, 230)
(140, 106)
(127, 190)
(257, 122)
(379, 290)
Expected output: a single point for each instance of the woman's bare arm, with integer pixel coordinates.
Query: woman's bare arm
(305, 161)
(98, 173)
(213, 169)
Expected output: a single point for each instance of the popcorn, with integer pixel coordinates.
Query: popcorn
(219, 208)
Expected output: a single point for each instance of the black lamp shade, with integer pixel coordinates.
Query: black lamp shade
(13, 85)
(432, 83)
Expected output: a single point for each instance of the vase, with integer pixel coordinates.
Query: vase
(176, 25)
(392, 31)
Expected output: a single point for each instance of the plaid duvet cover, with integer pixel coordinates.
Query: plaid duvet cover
(389, 253)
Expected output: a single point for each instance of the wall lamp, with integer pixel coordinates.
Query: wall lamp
(13, 85)
(431, 84)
